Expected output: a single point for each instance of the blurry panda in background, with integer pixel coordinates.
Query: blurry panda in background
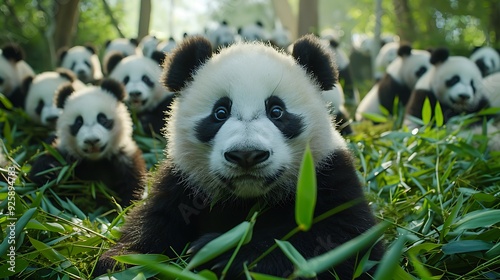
(253, 32)
(453, 81)
(145, 95)
(95, 131)
(124, 46)
(236, 137)
(388, 52)
(83, 61)
(281, 37)
(400, 79)
(39, 94)
(487, 59)
(491, 84)
(335, 101)
(166, 46)
(148, 44)
(13, 70)
(221, 36)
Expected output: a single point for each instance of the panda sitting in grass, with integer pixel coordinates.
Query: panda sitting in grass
(13, 70)
(95, 131)
(236, 137)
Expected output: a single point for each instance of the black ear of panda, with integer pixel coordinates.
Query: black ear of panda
(13, 52)
(404, 50)
(439, 55)
(158, 56)
(134, 41)
(61, 53)
(310, 53)
(62, 94)
(25, 85)
(114, 88)
(112, 60)
(66, 74)
(184, 60)
(91, 48)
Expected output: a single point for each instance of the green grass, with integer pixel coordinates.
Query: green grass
(436, 194)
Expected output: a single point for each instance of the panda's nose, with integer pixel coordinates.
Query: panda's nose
(91, 141)
(135, 93)
(464, 97)
(246, 159)
(52, 119)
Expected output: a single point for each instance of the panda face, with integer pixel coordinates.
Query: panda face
(457, 83)
(407, 69)
(140, 76)
(487, 59)
(82, 62)
(222, 36)
(123, 45)
(253, 32)
(93, 125)
(239, 128)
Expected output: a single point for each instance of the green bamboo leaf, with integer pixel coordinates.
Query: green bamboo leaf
(438, 113)
(375, 117)
(292, 253)
(19, 227)
(55, 153)
(477, 219)
(466, 246)
(141, 259)
(390, 260)
(259, 276)
(422, 272)
(222, 244)
(451, 218)
(53, 256)
(493, 252)
(306, 192)
(341, 253)
(5, 102)
(426, 111)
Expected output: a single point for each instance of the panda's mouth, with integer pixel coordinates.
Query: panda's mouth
(95, 149)
(137, 102)
(235, 181)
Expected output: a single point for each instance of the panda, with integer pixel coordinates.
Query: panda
(253, 32)
(167, 46)
(39, 94)
(221, 36)
(491, 84)
(236, 137)
(83, 61)
(401, 76)
(95, 131)
(387, 53)
(453, 81)
(335, 100)
(124, 46)
(145, 95)
(487, 59)
(148, 44)
(13, 69)
(281, 37)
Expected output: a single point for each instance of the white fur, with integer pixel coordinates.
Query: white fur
(334, 99)
(76, 60)
(490, 57)
(12, 74)
(253, 32)
(369, 104)
(88, 103)
(491, 84)
(148, 45)
(249, 73)
(135, 66)
(222, 35)
(387, 54)
(166, 46)
(122, 45)
(403, 68)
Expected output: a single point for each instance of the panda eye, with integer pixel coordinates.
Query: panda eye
(276, 112)
(221, 113)
(104, 121)
(452, 81)
(39, 107)
(126, 79)
(147, 81)
(88, 63)
(472, 85)
(421, 71)
(73, 66)
(75, 127)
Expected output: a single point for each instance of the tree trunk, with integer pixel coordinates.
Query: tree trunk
(144, 19)
(284, 12)
(405, 26)
(65, 17)
(308, 17)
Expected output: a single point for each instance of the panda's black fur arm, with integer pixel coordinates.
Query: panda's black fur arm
(171, 218)
(154, 120)
(389, 89)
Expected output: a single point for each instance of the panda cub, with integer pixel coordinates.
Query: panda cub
(95, 130)
(145, 95)
(236, 137)
(487, 59)
(401, 76)
(453, 81)
(39, 94)
(83, 61)
(13, 70)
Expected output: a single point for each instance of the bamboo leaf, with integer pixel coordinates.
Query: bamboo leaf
(306, 192)
(426, 111)
(390, 260)
(438, 113)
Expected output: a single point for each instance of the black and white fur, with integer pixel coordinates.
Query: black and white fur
(453, 81)
(487, 59)
(236, 136)
(401, 76)
(13, 70)
(95, 130)
(83, 61)
(145, 94)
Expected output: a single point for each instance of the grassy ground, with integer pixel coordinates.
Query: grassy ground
(438, 192)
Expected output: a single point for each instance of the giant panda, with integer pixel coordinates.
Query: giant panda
(148, 44)
(13, 70)
(145, 95)
(453, 81)
(387, 53)
(401, 76)
(222, 35)
(253, 32)
(236, 137)
(95, 131)
(487, 59)
(39, 94)
(83, 61)
(335, 100)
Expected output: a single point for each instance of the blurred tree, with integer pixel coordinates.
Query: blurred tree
(308, 17)
(144, 19)
(65, 18)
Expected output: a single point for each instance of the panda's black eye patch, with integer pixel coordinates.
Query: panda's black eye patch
(148, 81)
(73, 66)
(126, 80)
(289, 124)
(473, 87)
(104, 121)
(39, 107)
(88, 63)
(452, 81)
(421, 71)
(75, 127)
(207, 128)
(1, 81)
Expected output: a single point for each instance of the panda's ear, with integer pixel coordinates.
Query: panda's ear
(62, 94)
(91, 48)
(311, 54)
(107, 43)
(112, 60)
(404, 50)
(185, 59)
(61, 53)
(25, 85)
(66, 74)
(158, 56)
(113, 87)
(333, 43)
(134, 41)
(439, 55)
(13, 52)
